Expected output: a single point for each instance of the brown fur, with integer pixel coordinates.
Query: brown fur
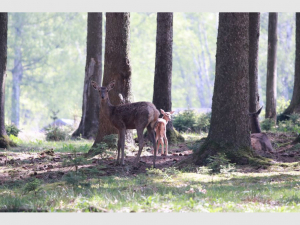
(160, 130)
(254, 122)
(138, 115)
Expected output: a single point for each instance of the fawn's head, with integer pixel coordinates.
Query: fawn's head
(103, 91)
(166, 115)
(255, 114)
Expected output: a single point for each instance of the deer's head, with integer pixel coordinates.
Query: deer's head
(166, 115)
(255, 127)
(103, 91)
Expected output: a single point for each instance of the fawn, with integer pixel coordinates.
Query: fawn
(160, 130)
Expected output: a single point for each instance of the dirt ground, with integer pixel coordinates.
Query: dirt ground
(50, 166)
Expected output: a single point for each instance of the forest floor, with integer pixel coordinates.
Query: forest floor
(55, 176)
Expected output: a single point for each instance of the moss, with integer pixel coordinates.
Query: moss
(174, 136)
(5, 142)
(241, 156)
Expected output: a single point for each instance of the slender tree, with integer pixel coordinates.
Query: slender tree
(4, 140)
(162, 97)
(271, 92)
(294, 106)
(93, 71)
(229, 130)
(254, 25)
(116, 67)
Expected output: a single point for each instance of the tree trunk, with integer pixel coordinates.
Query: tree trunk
(229, 130)
(93, 71)
(116, 67)
(4, 141)
(272, 68)
(162, 97)
(294, 106)
(17, 74)
(254, 25)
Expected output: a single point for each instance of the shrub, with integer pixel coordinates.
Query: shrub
(219, 162)
(267, 124)
(12, 129)
(57, 133)
(190, 120)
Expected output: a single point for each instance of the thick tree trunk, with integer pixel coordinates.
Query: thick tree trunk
(4, 141)
(93, 71)
(116, 67)
(162, 97)
(272, 68)
(17, 74)
(229, 130)
(254, 25)
(294, 106)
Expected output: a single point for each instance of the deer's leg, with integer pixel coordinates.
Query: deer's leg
(141, 144)
(166, 142)
(162, 146)
(119, 147)
(158, 143)
(122, 142)
(151, 136)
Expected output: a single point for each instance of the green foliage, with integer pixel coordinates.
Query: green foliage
(33, 185)
(189, 120)
(267, 124)
(54, 133)
(281, 104)
(12, 129)
(111, 141)
(219, 163)
(291, 125)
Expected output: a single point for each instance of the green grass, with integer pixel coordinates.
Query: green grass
(158, 191)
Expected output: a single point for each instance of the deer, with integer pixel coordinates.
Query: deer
(259, 140)
(160, 131)
(255, 127)
(137, 115)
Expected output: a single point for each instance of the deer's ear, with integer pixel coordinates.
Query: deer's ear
(95, 85)
(258, 111)
(162, 111)
(172, 112)
(111, 85)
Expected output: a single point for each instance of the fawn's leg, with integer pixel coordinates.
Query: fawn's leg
(166, 142)
(141, 145)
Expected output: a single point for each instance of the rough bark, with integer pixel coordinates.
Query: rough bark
(271, 92)
(93, 71)
(162, 97)
(229, 130)
(4, 141)
(254, 25)
(116, 67)
(294, 106)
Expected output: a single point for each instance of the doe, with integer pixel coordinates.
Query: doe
(138, 115)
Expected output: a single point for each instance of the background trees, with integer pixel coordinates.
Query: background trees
(271, 91)
(93, 71)
(254, 27)
(55, 83)
(116, 67)
(229, 130)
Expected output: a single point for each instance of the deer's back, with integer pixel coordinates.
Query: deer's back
(135, 114)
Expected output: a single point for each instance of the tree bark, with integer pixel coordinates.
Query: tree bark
(93, 71)
(229, 130)
(4, 141)
(254, 25)
(294, 106)
(116, 67)
(272, 68)
(162, 97)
